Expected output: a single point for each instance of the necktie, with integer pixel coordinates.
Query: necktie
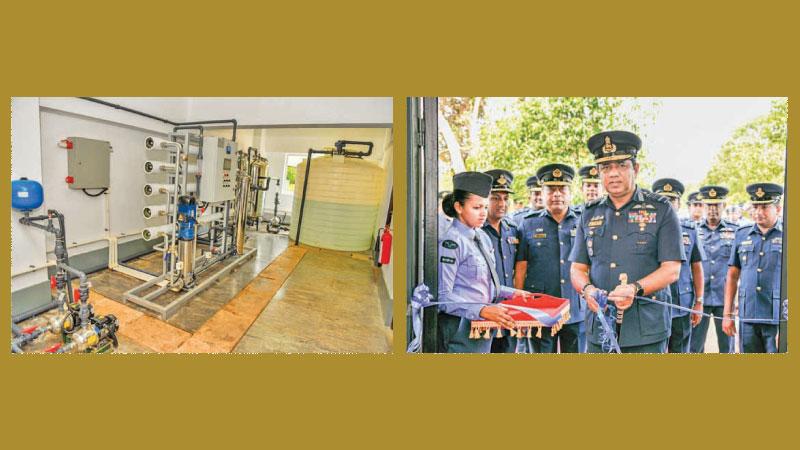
(489, 262)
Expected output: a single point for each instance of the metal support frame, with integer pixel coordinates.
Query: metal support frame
(430, 190)
(168, 310)
(423, 218)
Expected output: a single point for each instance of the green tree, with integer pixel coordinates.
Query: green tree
(755, 152)
(552, 129)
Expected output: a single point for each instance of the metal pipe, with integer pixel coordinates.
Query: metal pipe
(241, 212)
(303, 198)
(209, 122)
(126, 109)
(150, 116)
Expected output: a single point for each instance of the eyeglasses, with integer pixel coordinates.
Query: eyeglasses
(609, 166)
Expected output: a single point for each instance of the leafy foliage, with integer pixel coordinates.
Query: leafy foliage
(546, 130)
(756, 152)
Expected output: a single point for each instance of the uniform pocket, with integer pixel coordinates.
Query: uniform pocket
(595, 241)
(641, 242)
(745, 254)
(475, 267)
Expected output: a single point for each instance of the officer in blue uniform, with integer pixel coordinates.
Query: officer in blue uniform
(467, 272)
(688, 290)
(546, 239)
(717, 236)
(536, 202)
(755, 264)
(629, 244)
(502, 231)
(592, 189)
(696, 207)
(590, 183)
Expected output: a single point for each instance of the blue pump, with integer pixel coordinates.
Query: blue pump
(187, 211)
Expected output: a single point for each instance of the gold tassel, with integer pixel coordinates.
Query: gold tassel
(539, 332)
(499, 332)
(488, 334)
(472, 333)
(512, 332)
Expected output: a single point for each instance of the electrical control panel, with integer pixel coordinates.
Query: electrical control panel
(218, 170)
(88, 163)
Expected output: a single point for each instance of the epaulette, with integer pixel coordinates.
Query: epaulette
(655, 197)
(593, 203)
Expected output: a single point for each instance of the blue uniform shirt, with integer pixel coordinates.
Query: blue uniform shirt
(759, 256)
(464, 274)
(546, 244)
(634, 239)
(444, 223)
(717, 244)
(505, 249)
(683, 289)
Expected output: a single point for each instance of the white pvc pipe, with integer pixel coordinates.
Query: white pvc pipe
(205, 218)
(154, 211)
(154, 232)
(151, 189)
(154, 143)
(160, 166)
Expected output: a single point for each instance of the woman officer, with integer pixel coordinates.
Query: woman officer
(468, 281)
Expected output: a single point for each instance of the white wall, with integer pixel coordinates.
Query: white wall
(39, 123)
(27, 243)
(293, 110)
(85, 216)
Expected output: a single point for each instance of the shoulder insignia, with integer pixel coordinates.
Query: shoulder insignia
(447, 243)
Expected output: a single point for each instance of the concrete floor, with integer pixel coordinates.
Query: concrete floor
(330, 303)
(200, 308)
(316, 301)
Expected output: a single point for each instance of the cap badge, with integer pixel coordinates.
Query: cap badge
(667, 187)
(593, 171)
(501, 180)
(609, 146)
(557, 173)
(712, 193)
(759, 192)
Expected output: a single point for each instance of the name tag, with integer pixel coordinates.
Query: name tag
(540, 235)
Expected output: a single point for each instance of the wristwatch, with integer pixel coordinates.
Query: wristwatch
(698, 300)
(639, 289)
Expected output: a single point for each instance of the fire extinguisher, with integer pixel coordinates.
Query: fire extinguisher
(383, 246)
